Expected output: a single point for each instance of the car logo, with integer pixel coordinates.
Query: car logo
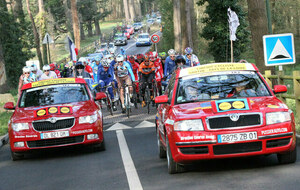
(234, 117)
(52, 119)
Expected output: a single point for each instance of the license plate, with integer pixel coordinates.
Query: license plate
(51, 135)
(235, 137)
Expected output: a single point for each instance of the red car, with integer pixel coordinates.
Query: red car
(127, 34)
(55, 113)
(222, 110)
(130, 29)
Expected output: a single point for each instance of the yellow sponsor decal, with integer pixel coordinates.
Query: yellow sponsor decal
(52, 110)
(273, 106)
(65, 110)
(217, 68)
(41, 112)
(53, 81)
(238, 105)
(225, 106)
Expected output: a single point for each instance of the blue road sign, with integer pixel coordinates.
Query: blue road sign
(279, 49)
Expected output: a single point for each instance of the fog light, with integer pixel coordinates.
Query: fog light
(19, 144)
(92, 136)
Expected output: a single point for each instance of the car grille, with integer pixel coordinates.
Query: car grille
(48, 126)
(237, 148)
(224, 122)
(55, 142)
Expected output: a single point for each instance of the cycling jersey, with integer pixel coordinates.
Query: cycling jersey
(158, 70)
(95, 69)
(194, 61)
(105, 75)
(124, 70)
(146, 69)
(169, 66)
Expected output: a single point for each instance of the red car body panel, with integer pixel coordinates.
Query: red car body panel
(76, 110)
(179, 141)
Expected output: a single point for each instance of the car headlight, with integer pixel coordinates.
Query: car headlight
(189, 125)
(277, 117)
(19, 126)
(88, 119)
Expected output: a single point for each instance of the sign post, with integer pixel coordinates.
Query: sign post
(155, 40)
(47, 40)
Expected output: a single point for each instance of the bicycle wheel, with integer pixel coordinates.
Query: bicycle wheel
(127, 105)
(147, 97)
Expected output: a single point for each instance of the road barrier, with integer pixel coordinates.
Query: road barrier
(293, 84)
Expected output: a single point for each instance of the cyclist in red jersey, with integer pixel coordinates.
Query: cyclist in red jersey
(158, 70)
(135, 69)
(53, 68)
(139, 58)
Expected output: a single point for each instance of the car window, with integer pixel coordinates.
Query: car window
(219, 86)
(111, 45)
(170, 86)
(54, 94)
(143, 36)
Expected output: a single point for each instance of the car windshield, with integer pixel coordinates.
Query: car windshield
(118, 35)
(53, 94)
(144, 36)
(103, 46)
(219, 86)
(111, 45)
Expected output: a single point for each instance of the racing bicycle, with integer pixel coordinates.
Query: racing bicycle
(108, 101)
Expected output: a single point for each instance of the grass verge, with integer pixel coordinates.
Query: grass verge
(291, 104)
(4, 117)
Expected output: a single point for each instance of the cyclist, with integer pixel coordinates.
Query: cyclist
(105, 78)
(190, 58)
(88, 68)
(170, 63)
(53, 68)
(163, 57)
(47, 73)
(95, 65)
(135, 68)
(68, 70)
(122, 72)
(80, 72)
(139, 58)
(122, 51)
(180, 62)
(158, 70)
(146, 75)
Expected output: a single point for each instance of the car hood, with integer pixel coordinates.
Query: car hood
(76, 110)
(120, 38)
(209, 108)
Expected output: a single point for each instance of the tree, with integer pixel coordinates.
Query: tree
(126, 10)
(42, 25)
(216, 29)
(259, 27)
(75, 22)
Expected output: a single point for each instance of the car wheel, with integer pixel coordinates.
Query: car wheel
(16, 156)
(100, 146)
(173, 167)
(288, 158)
(161, 151)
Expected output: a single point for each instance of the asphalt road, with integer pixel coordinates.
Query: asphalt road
(131, 162)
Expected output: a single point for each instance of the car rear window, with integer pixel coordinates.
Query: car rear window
(220, 85)
(54, 94)
(143, 36)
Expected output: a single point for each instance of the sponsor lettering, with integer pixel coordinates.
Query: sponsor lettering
(82, 131)
(200, 137)
(272, 131)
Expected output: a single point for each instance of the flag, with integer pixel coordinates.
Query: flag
(233, 23)
(72, 50)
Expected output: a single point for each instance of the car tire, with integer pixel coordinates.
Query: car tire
(173, 167)
(99, 147)
(288, 158)
(16, 156)
(161, 151)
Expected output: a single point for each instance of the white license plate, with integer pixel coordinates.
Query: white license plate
(235, 137)
(51, 135)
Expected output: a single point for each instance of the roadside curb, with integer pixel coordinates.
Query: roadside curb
(3, 140)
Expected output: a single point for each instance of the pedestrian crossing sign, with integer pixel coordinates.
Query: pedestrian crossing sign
(279, 49)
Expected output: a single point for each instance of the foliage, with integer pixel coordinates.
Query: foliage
(56, 7)
(15, 50)
(166, 11)
(4, 117)
(216, 29)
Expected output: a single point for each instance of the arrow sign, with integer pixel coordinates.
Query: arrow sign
(279, 49)
(155, 38)
(47, 39)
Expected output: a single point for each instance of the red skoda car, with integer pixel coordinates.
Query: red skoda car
(222, 110)
(55, 113)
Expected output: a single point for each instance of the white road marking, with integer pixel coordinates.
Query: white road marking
(118, 126)
(131, 173)
(145, 124)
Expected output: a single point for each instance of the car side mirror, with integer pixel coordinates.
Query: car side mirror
(279, 89)
(9, 106)
(100, 96)
(164, 99)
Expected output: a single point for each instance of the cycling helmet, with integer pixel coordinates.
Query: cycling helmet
(131, 59)
(146, 58)
(154, 54)
(104, 63)
(46, 68)
(139, 56)
(98, 58)
(148, 54)
(188, 50)
(180, 59)
(26, 69)
(79, 65)
(151, 56)
(120, 58)
(163, 55)
(52, 66)
(171, 52)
